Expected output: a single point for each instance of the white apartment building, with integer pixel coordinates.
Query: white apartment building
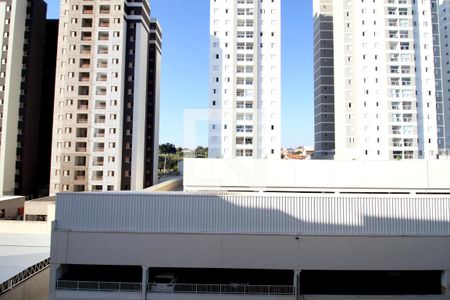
(378, 91)
(245, 79)
(106, 98)
(444, 28)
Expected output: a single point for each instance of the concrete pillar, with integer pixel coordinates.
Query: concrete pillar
(55, 274)
(297, 284)
(445, 283)
(145, 273)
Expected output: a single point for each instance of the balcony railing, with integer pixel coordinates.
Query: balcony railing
(222, 289)
(94, 286)
(135, 287)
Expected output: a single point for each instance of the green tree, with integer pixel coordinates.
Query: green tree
(167, 148)
(201, 152)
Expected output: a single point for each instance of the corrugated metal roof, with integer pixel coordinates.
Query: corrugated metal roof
(20, 251)
(255, 213)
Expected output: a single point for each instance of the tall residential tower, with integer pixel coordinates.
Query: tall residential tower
(23, 45)
(444, 27)
(245, 96)
(378, 80)
(107, 99)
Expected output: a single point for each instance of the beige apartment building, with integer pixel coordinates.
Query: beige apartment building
(105, 133)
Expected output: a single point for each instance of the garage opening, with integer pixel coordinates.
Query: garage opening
(221, 281)
(370, 282)
(103, 273)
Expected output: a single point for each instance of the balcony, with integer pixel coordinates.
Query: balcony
(102, 50)
(102, 77)
(101, 91)
(98, 162)
(88, 9)
(102, 63)
(84, 76)
(103, 23)
(105, 9)
(85, 63)
(80, 161)
(81, 132)
(86, 36)
(99, 132)
(82, 119)
(85, 49)
(407, 119)
(103, 36)
(100, 105)
(100, 119)
(396, 130)
(83, 105)
(87, 23)
(80, 147)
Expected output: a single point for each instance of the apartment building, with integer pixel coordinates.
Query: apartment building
(245, 79)
(444, 28)
(23, 43)
(107, 99)
(379, 95)
(323, 80)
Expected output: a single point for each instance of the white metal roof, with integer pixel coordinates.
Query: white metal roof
(7, 198)
(20, 251)
(255, 213)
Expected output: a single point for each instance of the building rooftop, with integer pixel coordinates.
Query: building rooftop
(413, 176)
(255, 213)
(8, 198)
(19, 251)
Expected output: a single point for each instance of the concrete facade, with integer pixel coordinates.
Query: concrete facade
(292, 252)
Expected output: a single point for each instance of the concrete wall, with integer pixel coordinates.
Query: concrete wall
(252, 251)
(228, 174)
(42, 206)
(35, 288)
(166, 186)
(11, 206)
(12, 227)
